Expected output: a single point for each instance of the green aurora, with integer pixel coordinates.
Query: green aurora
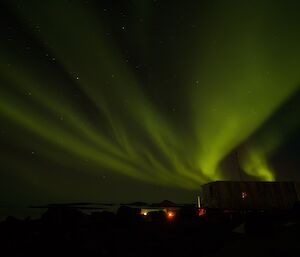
(153, 92)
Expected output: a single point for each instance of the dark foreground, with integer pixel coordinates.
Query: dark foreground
(69, 232)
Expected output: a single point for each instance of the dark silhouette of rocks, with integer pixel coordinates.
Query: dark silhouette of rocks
(65, 230)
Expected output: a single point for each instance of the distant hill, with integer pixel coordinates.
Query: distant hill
(164, 203)
(136, 204)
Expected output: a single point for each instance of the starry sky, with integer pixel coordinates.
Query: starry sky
(146, 100)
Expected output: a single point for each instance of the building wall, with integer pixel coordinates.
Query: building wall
(256, 195)
(297, 188)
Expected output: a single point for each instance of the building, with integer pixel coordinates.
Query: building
(250, 195)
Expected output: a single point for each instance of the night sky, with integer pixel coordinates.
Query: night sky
(146, 100)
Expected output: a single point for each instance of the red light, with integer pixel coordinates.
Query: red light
(201, 211)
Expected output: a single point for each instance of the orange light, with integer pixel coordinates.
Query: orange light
(145, 213)
(170, 215)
